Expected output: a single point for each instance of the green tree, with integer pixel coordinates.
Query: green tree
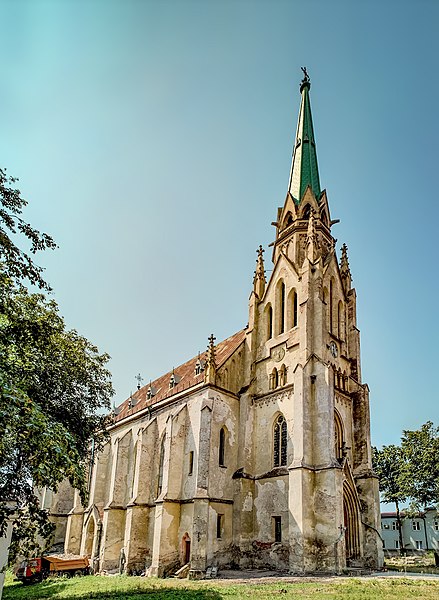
(54, 384)
(15, 263)
(420, 449)
(390, 466)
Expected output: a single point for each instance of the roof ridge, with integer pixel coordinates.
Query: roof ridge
(186, 371)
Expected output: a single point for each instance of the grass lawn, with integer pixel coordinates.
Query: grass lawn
(137, 588)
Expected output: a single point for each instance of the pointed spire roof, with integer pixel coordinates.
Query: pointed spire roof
(304, 167)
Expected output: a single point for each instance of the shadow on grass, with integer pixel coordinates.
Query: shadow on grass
(54, 589)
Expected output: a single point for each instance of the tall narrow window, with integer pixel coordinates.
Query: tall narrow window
(339, 438)
(282, 308)
(222, 447)
(219, 526)
(283, 376)
(277, 522)
(295, 309)
(280, 442)
(274, 379)
(269, 322)
(191, 462)
(341, 321)
(161, 464)
(331, 306)
(291, 309)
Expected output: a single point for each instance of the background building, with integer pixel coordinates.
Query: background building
(420, 532)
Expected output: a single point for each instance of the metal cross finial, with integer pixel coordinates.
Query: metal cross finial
(211, 340)
(305, 73)
(260, 251)
(139, 379)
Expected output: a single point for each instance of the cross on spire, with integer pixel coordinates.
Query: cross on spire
(139, 379)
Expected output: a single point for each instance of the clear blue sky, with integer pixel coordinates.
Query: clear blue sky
(153, 141)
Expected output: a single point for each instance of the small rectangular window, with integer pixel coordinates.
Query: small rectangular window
(436, 525)
(219, 526)
(418, 544)
(384, 543)
(416, 526)
(277, 521)
(396, 543)
(191, 462)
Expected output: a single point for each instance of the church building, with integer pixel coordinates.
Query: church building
(256, 453)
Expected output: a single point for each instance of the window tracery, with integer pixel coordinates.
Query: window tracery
(280, 442)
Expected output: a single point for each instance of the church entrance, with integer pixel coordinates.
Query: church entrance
(186, 549)
(351, 523)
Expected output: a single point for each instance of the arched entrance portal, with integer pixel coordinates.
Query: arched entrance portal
(351, 523)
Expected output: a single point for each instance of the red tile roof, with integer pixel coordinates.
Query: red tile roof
(185, 376)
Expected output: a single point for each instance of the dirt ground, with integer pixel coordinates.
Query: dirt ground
(262, 576)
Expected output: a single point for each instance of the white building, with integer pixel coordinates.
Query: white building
(420, 532)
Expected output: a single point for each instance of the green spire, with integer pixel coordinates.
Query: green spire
(304, 168)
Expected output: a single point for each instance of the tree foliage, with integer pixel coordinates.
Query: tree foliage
(54, 384)
(410, 472)
(389, 465)
(420, 449)
(15, 263)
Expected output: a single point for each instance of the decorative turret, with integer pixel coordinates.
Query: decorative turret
(259, 279)
(304, 168)
(210, 369)
(345, 270)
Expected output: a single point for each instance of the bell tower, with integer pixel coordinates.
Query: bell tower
(307, 407)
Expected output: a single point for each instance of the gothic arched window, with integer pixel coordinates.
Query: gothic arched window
(339, 442)
(161, 464)
(222, 447)
(274, 379)
(280, 307)
(331, 300)
(269, 312)
(280, 442)
(306, 212)
(341, 321)
(282, 376)
(292, 309)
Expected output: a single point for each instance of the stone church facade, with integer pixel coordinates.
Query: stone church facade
(257, 452)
